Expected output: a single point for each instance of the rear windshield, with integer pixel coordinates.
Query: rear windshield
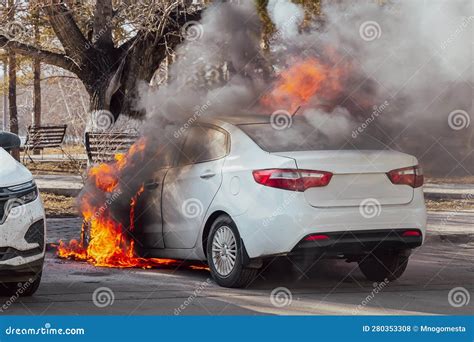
(302, 136)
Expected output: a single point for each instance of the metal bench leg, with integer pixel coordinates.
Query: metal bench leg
(27, 154)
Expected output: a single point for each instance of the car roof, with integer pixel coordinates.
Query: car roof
(238, 119)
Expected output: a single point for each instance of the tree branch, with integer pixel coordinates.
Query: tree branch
(66, 29)
(47, 57)
(103, 13)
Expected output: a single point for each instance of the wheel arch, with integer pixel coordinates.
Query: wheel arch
(207, 227)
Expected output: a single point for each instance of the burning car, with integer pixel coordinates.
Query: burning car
(22, 225)
(236, 191)
(242, 191)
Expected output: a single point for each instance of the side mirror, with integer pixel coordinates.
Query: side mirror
(9, 141)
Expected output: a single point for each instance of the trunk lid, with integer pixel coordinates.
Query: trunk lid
(357, 176)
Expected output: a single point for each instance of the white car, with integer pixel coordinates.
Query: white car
(243, 190)
(22, 225)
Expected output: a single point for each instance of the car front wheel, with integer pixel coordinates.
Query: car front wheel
(384, 266)
(225, 255)
(21, 289)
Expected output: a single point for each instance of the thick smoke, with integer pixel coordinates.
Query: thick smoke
(411, 79)
(407, 65)
(399, 74)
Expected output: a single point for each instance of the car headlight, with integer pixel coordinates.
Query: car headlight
(17, 196)
(29, 197)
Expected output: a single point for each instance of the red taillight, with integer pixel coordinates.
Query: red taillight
(292, 179)
(316, 237)
(412, 176)
(411, 233)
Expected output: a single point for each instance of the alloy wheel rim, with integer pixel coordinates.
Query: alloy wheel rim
(224, 250)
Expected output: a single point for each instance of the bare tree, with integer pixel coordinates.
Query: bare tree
(12, 85)
(109, 47)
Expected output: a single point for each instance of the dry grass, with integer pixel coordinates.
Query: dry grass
(450, 205)
(56, 167)
(59, 206)
(69, 149)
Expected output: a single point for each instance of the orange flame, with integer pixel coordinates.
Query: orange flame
(304, 81)
(109, 246)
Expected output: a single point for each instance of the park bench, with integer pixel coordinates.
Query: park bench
(44, 136)
(102, 147)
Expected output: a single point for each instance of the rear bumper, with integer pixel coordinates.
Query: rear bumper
(355, 243)
(277, 226)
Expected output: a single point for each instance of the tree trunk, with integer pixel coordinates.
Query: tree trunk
(36, 119)
(5, 94)
(12, 86)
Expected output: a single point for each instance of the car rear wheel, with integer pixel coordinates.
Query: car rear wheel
(21, 289)
(225, 255)
(384, 266)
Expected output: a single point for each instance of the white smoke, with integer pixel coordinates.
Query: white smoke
(415, 56)
(286, 16)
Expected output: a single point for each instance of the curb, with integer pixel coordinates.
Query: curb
(452, 238)
(445, 195)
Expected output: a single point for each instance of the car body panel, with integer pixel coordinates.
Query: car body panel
(12, 172)
(272, 221)
(185, 200)
(149, 227)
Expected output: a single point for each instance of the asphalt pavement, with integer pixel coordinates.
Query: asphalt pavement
(438, 270)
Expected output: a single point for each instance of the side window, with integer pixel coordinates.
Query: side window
(203, 144)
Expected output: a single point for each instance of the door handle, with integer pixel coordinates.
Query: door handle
(152, 185)
(208, 174)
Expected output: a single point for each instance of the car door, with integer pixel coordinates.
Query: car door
(148, 221)
(190, 186)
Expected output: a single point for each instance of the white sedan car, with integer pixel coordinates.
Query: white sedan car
(22, 225)
(242, 190)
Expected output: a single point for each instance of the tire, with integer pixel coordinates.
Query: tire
(21, 289)
(382, 266)
(86, 235)
(226, 240)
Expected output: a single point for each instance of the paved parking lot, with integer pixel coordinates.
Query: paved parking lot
(331, 287)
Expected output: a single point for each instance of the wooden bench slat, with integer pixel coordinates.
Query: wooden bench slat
(102, 147)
